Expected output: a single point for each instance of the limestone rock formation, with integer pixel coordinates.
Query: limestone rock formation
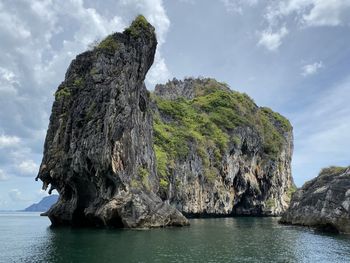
(323, 202)
(98, 150)
(120, 156)
(218, 153)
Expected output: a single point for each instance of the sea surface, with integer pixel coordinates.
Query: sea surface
(27, 237)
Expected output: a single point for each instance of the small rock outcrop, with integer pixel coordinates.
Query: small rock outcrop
(98, 150)
(218, 153)
(323, 202)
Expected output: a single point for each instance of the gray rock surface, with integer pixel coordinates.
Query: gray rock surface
(98, 149)
(242, 179)
(323, 202)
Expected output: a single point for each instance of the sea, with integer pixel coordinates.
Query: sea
(28, 237)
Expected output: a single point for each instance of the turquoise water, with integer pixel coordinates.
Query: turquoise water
(27, 237)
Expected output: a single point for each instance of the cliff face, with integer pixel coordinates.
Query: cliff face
(98, 150)
(218, 153)
(323, 202)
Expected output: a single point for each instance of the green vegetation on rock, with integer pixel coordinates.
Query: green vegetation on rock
(109, 44)
(270, 203)
(143, 173)
(139, 25)
(207, 123)
(291, 190)
(172, 140)
(62, 92)
(162, 167)
(281, 121)
(91, 110)
(78, 82)
(332, 170)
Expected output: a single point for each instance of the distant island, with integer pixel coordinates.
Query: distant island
(44, 205)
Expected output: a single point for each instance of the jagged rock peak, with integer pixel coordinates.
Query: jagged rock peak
(98, 150)
(140, 26)
(189, 88)
(323, 202)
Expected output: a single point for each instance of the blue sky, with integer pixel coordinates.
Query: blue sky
(290, 55)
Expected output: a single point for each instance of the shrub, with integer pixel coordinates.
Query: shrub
(78, 82)
(163, 183)
(139, 25)
(143, 173)
(62, 92)
(270, 203)
(333, 170)
(109, 44)
(276, 117)
(162, 161)
(291, 190)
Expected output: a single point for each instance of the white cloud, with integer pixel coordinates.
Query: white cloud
(311, 69)
(16, 195)
(8, 141)
(28, 168)
(272, 40)
(311, 12)
(12, 25)
(303, 13)
(238, 5)
(8, 82)
(159, 72)
(8, 75)
(328, 13)
(3, 177)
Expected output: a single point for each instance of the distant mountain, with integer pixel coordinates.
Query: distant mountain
(43, 205)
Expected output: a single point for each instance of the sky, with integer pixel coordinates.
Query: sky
(290, 55)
